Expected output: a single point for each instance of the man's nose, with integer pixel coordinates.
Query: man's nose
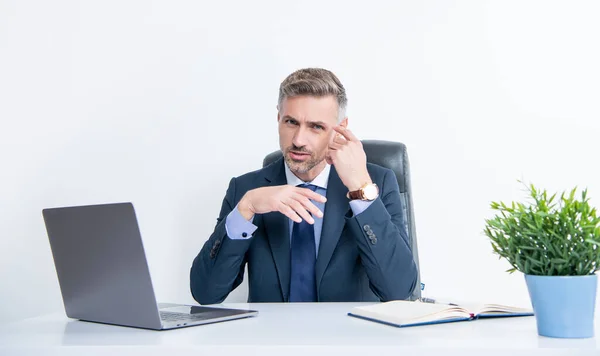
(300, 136)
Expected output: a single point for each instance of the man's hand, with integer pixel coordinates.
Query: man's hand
(291, 201)
(347, 155)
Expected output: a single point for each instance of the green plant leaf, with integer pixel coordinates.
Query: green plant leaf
(550, 234)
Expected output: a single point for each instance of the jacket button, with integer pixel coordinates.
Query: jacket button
(373, 240)
(367, 228)
(217, 243)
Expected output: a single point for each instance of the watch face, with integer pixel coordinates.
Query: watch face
(370, 191)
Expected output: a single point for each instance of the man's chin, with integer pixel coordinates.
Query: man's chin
(300, 167)
(297, 167)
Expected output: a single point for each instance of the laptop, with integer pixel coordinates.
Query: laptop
(103, 273)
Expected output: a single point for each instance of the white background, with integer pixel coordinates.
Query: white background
(162, 102)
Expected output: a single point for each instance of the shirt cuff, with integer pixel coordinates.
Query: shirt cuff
(358, 206)
(237, 227)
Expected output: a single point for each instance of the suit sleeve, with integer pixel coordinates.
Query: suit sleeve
(383, 244)
(219, 267)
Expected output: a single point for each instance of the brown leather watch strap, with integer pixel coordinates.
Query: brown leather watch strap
(357, 194)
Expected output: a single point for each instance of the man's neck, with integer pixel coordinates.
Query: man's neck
(313, 173)
(320, 180)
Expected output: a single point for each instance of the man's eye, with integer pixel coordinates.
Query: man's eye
(291, 121)
(318, 127)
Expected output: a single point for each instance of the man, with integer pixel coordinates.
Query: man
(319, 224)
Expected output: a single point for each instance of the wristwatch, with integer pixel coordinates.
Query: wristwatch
(368, 192)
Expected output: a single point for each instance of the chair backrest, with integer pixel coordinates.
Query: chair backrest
(390, 155)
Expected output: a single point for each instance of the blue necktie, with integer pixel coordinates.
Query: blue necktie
(303, 287)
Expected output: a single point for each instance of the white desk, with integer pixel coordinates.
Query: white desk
(286, 330)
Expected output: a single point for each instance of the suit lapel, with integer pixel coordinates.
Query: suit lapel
(277, 230)
(333, 222)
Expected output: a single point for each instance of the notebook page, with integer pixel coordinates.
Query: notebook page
(408, 312)
(500, 309)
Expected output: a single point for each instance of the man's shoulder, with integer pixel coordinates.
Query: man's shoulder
(258, 174)
(255, 179)
(380, 175)
(250, 176)
(377, 170)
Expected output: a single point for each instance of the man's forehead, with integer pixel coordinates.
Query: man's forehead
(302, 114)
(311, 109)
(320, 103)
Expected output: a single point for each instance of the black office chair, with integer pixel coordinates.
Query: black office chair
(390, 155)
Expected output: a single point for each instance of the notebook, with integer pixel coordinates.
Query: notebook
(403, 313)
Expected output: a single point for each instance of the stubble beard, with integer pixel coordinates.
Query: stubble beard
(302, 167)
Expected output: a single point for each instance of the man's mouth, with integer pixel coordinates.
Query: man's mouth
(299, 156)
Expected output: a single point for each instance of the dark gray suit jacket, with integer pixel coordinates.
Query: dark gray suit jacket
(361, 258)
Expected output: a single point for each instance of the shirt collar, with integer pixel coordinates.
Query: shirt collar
(320, 180)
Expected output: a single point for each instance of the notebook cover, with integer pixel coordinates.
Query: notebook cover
(444, 321)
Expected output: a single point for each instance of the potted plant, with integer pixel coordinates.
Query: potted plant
(555, 242)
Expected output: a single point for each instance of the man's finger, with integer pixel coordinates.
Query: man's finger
(335, 146)
(294, 204)
(290, 213)
(346, 133)
(312, 195)
(333, 154)
(308, 205)
(339, 139)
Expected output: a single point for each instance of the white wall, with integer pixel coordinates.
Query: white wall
(161, 103)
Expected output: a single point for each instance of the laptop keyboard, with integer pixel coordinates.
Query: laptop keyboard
(199, 313)
(170, 316)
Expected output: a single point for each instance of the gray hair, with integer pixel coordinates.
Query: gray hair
(314, 82)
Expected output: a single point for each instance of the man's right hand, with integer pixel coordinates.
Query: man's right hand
(291, 201)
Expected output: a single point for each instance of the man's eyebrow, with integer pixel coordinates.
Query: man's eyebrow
(288, 117)
(318, 123)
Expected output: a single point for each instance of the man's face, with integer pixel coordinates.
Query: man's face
(305, 130)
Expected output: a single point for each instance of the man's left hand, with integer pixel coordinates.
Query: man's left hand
(347, 155)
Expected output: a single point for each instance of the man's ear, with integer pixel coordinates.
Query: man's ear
(344, 123)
